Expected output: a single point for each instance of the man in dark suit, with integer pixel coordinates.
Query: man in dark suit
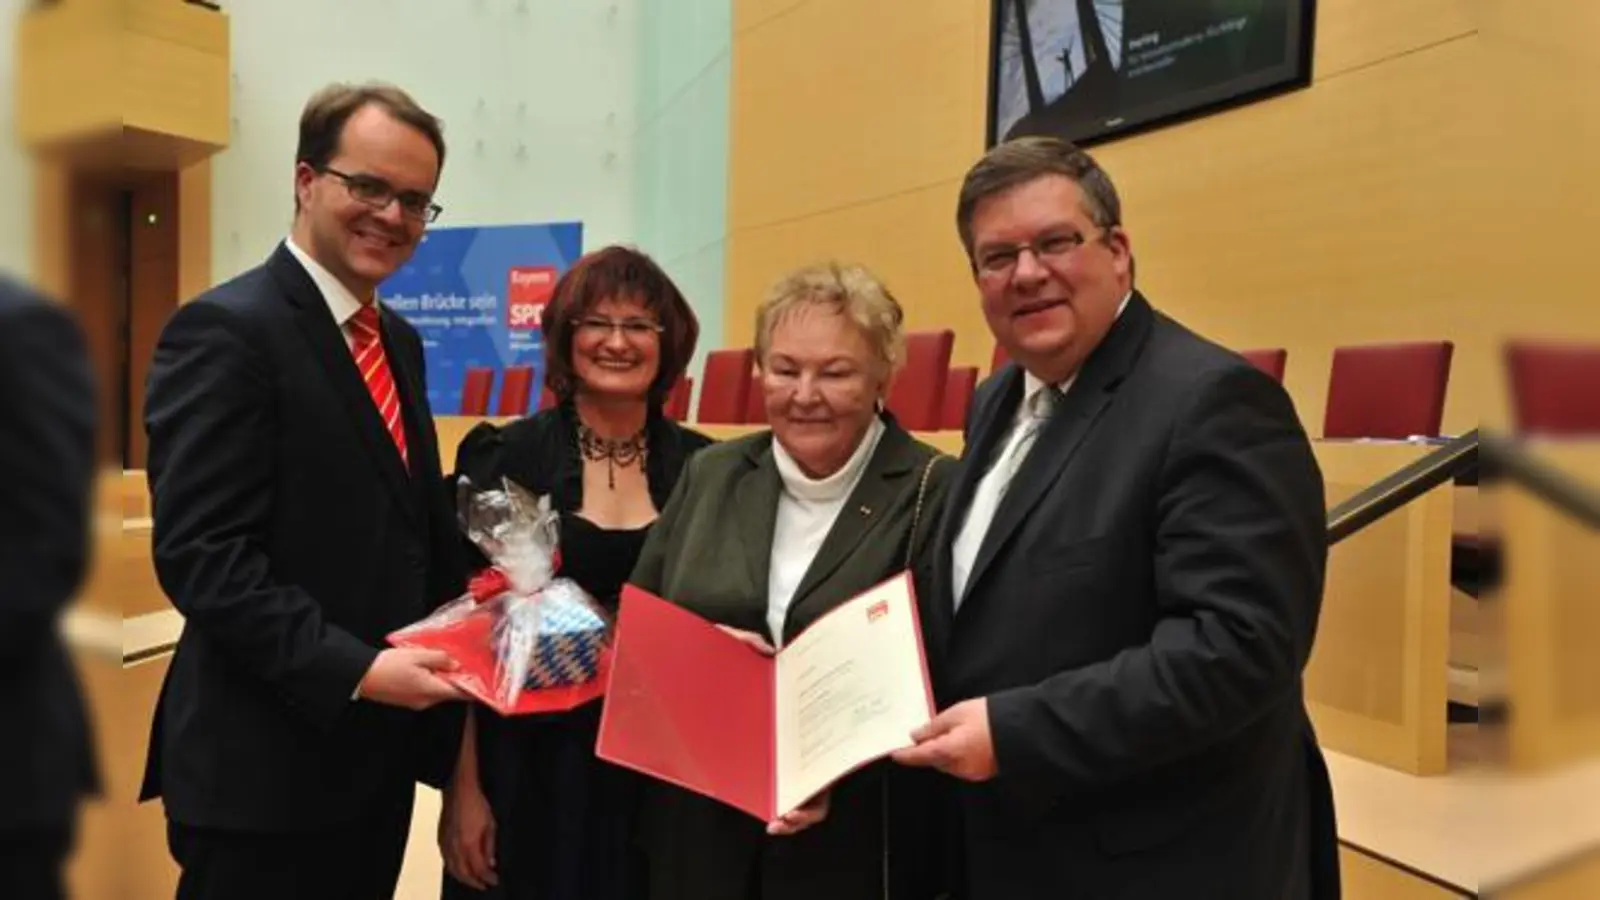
(47, 430)
(300, 516)
(1129, 580)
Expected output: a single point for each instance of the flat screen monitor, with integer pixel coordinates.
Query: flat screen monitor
(1091, 70)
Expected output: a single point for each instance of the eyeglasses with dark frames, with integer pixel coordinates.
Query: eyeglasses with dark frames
(378, 194)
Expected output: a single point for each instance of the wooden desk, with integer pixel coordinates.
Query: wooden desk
(1549, 609)
(1377, 682)
(122, 579)
(1473, 830)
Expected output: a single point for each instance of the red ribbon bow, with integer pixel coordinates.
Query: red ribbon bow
(492, 582)
(488, 584)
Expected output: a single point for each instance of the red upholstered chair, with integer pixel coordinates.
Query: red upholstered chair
(1270, 361)
(1388, 391)
(917, 396)
(726, 389)
(755, 406)
(516, 391)
(1555, 387)
(957, 397)
(547, 398)
(998, 359)
(677, 406)
(475, 389)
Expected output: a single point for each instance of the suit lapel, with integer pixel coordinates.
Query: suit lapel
(988, 427)
(755, 504)
(1058, 441)
(880, 484)
(333, 354)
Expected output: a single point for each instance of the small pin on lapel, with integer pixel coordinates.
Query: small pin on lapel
(866, 510)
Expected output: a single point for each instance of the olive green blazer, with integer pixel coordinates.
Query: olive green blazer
(710, 551)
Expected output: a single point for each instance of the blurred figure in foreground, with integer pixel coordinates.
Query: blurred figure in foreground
(47, 455)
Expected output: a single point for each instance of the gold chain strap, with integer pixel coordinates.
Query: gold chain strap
(916, 514)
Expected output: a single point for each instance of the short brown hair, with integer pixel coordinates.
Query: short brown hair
(1017, 162)
(326, 113)
(617, 272)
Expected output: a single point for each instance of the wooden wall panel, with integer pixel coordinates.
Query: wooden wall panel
(1349, 212)
(194, 230)
(887, 235)
(816, 90)
(153, 293)
(175, 70)
(1356, 33)
(1367, 878)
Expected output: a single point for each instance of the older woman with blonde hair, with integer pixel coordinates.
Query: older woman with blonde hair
(765, 534)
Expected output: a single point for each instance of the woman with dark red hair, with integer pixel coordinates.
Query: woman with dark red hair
(530, 812)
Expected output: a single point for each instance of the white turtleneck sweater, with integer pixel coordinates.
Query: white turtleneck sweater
(807, 508)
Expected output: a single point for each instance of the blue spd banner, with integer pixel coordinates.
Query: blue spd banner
(476, 296)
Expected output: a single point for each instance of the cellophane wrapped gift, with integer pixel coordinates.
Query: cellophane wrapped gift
(525, 640)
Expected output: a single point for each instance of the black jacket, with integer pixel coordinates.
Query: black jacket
(293, 541)
(47, 430)
(1138, 616)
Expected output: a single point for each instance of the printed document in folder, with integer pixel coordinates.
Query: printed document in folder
(693, 706)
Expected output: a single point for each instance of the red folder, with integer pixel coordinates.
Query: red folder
(693, 706)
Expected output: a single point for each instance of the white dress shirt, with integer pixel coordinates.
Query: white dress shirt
(1032, 412)
(343, 304)
(807, 508)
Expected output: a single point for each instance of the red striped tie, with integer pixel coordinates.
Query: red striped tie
(374, 367)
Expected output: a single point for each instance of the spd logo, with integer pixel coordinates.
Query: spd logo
(527, 292)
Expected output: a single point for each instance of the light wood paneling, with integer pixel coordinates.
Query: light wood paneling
(1575, 880)
(889, 236)
(817, 88)
(123, 86)
(1551, 618)
(1377, 682)
(1350, 212)
(1365, 877)
(52, 228)
(1356, 33)
(123, 849)
(194, 230)
(1474, 828)
(175, 71)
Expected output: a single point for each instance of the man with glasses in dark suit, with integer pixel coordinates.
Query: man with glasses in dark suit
(1127, 581)
(300, 516)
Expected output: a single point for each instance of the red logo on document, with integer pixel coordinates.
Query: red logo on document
(877, 610)
(527, 292)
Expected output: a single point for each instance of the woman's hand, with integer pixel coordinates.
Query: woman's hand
(750, 639)
(802, 818)
(466, 834)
